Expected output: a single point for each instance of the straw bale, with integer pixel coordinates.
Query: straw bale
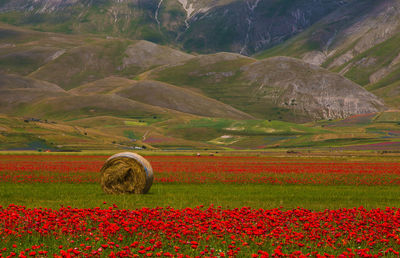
(126, 172)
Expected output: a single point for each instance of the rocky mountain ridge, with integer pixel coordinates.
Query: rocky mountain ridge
(242, 26)
(360, 41)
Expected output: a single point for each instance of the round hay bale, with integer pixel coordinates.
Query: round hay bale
(126, 172)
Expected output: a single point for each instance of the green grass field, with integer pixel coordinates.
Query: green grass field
(191, 195)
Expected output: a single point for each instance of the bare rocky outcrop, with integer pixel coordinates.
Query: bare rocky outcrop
(314, 57)
(308, 89)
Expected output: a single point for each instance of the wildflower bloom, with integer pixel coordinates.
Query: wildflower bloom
(198, 231)
(189, 169)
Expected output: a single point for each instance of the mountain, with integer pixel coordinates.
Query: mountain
(204, 73)
(215, 85)
(247, 27)
(274, 88)
(243, 26)
(360, 41)
(70, 61)
(101, 58)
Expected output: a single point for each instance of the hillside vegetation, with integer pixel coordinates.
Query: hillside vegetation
(202, 26)
(274, 88)
(126, 74)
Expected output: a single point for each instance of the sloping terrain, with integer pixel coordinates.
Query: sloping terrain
(85, 63)
(102, 86)
(345, 33)
(275, 88)
(160, 94)
(235, 88)
(176, 98)
(360, 41)
(70, 61)
(309, 90)
(102, 58)
(24, 51)
(202, 25)
(145, 55)
(72, 107)
(235, 85)
(247, 27)
(17, 92)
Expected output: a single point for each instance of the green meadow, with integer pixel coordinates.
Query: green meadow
(311, 197)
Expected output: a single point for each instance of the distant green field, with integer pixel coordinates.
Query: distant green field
(135, 123)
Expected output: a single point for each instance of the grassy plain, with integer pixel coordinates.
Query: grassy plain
(180, 195)
(191, 195)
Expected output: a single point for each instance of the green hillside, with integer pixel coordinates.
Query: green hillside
(275, 88)
(105, 90)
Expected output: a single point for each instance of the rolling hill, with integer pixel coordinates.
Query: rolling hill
(274, 88)
(72, 107)
(17, 92)
(105, 57)
(176, 98)
(163, 73)
(102, 86)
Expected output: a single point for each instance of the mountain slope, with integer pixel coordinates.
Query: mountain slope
(102, 86)
(344, 33)
(17, 92)
(145, 54)
(102, 58)
(360, 41)
(24, 51)
(274, 88)
(73, 107)
(160, 94)
(309, 90)
(197, 25)
(95, 65)
(247, 27)
(176, 98)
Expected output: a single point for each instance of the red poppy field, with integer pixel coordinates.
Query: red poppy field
(203, 170)
(106, 229)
